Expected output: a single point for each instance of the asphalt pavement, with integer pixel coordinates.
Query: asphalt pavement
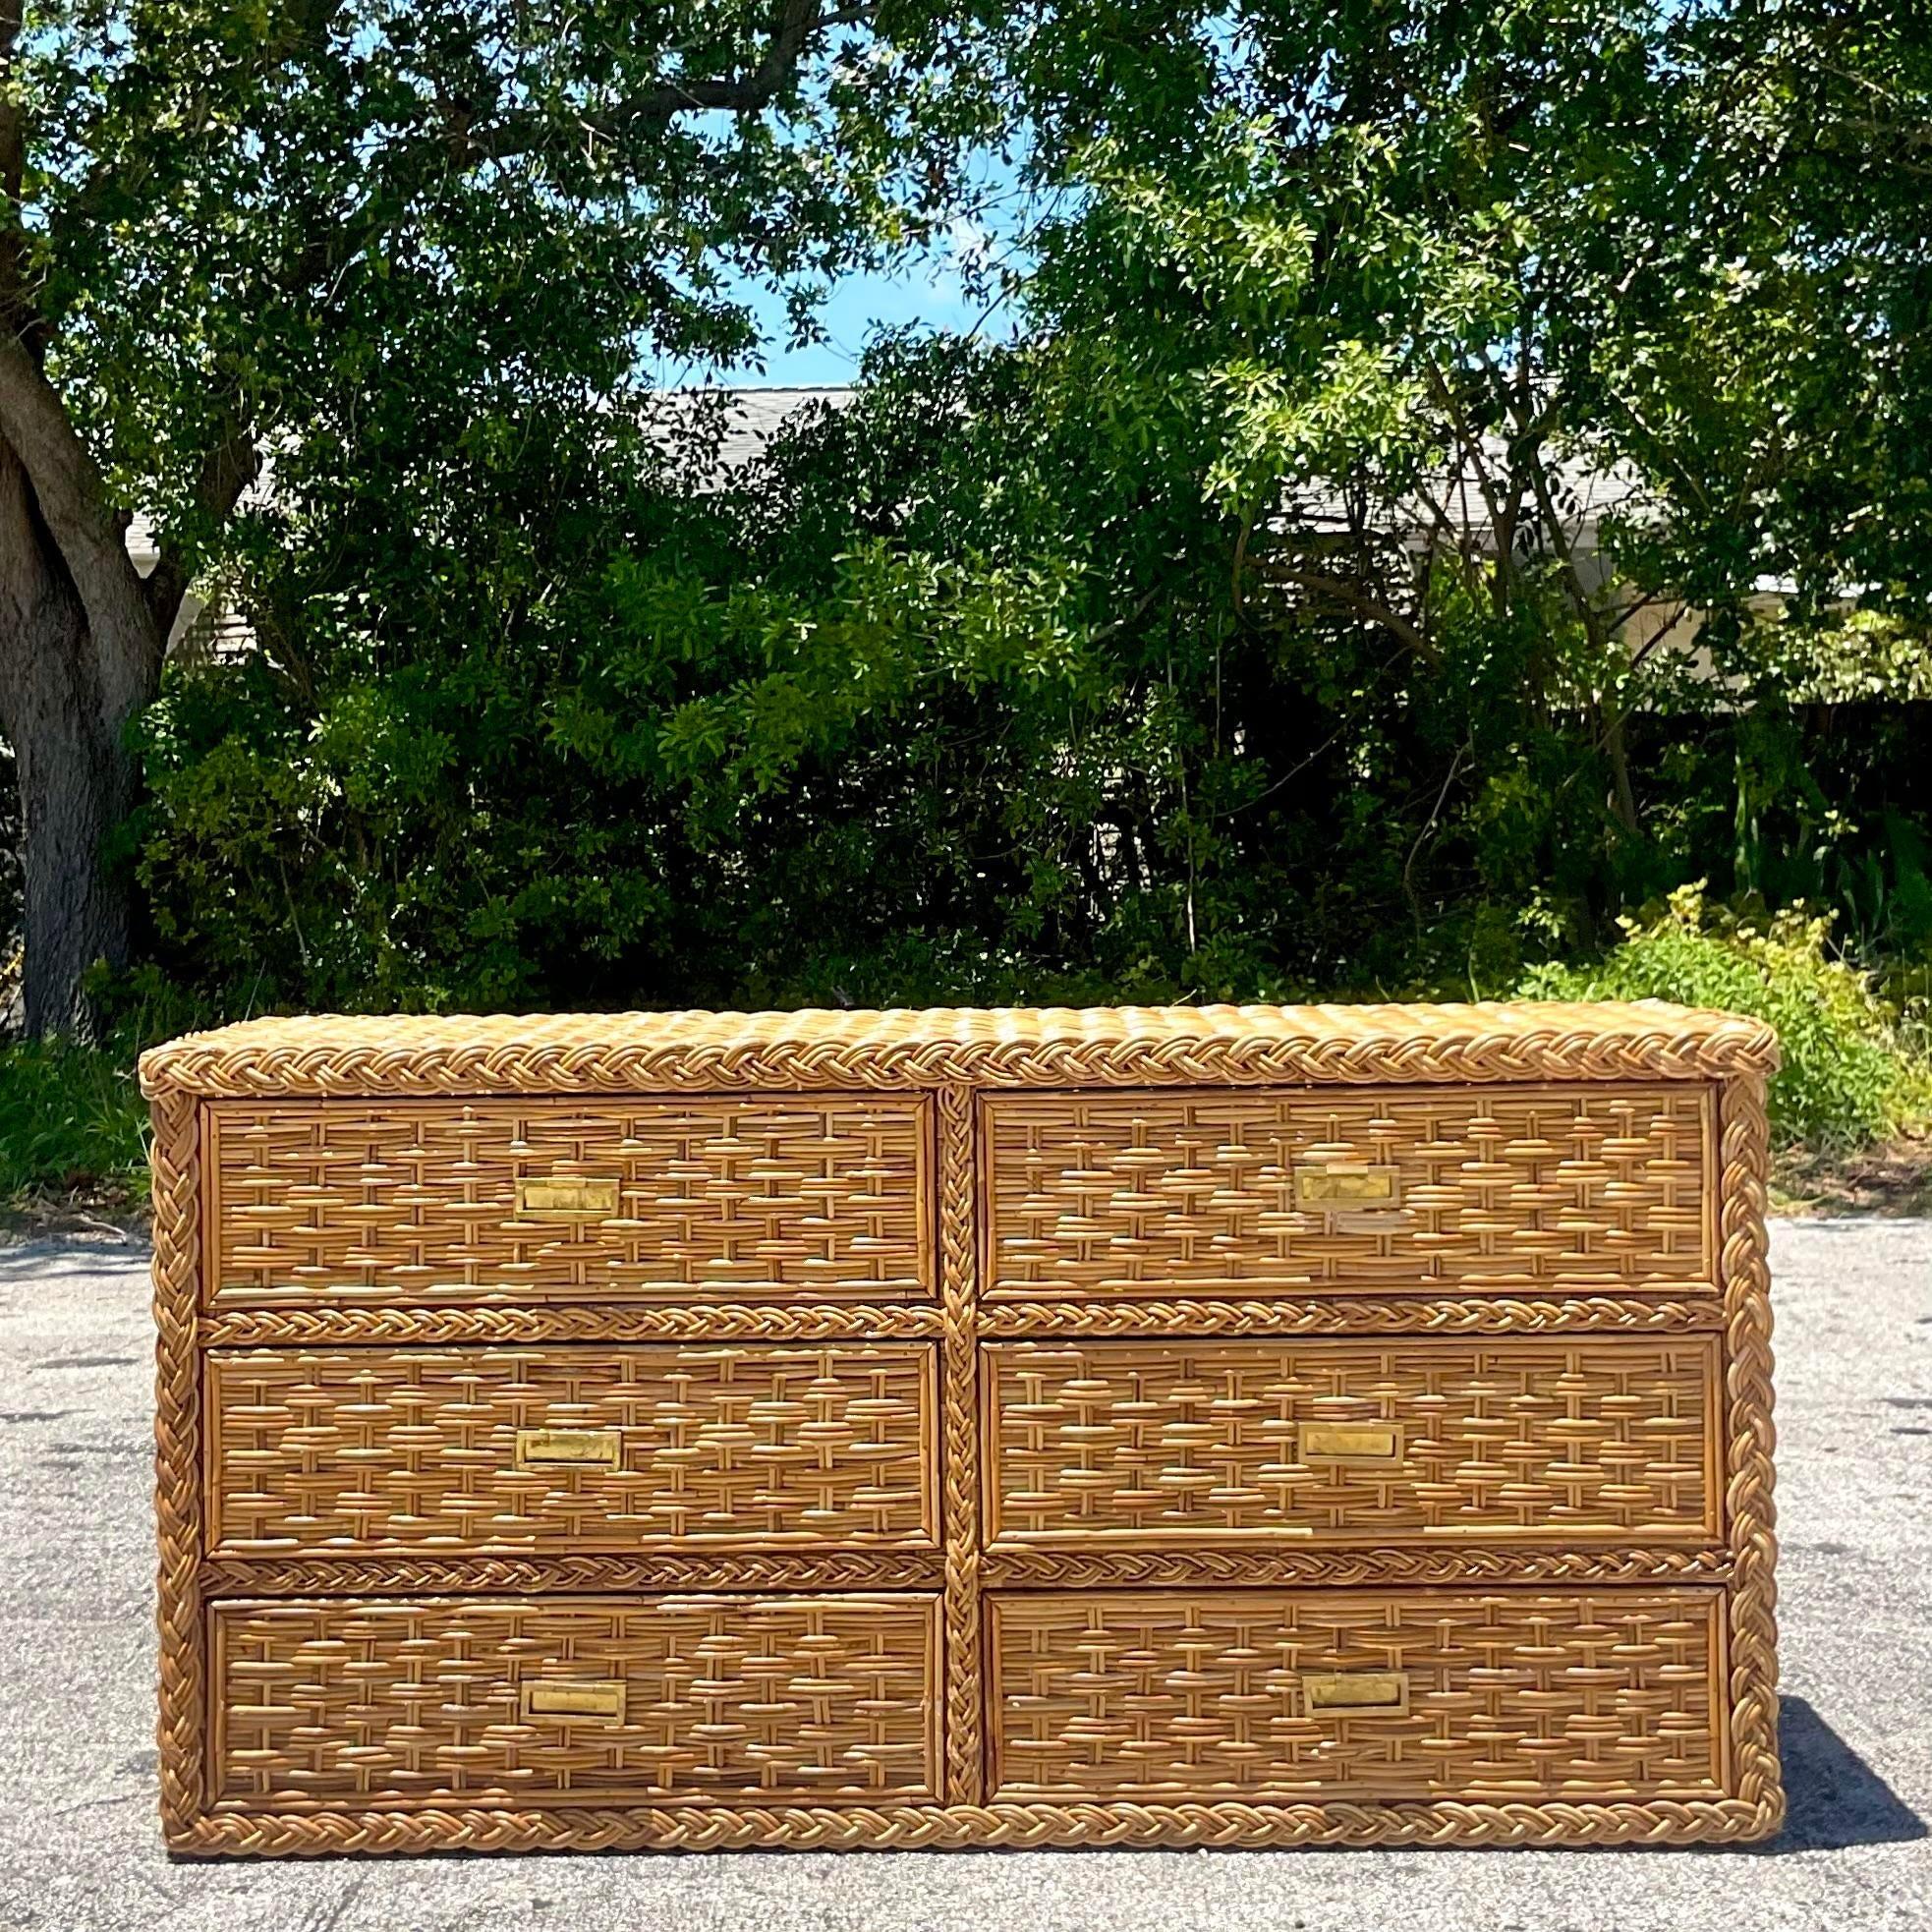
(80, 1850)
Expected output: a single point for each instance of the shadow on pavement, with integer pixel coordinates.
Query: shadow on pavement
(1836, 1799)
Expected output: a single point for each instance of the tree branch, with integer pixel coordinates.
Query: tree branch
(794, 26)
(13, 169)
(1339, 590)
(73, 499)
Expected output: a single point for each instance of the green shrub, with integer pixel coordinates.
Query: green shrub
(72, 1122)
(1848, 1075)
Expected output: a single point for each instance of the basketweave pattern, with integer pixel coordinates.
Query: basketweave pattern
(356, 1450)
(742, 1700)
(1162, 1443)
(1148, 1697)
(727, 1199)
(1502, 1190)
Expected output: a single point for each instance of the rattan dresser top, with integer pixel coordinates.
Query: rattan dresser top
(1101, 1045)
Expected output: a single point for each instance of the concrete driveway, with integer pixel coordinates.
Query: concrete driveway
(79, 1848)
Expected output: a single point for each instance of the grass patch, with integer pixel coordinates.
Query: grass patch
(73, 1129)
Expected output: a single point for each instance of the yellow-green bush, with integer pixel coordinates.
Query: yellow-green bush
(1848, 1075)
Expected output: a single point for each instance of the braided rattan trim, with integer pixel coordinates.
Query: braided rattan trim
(1750, 1512)
(1660, 1822)
(420, 1576)
(177, 1175)
(641, 1053)
(918, 1571)
(1344, 1315)
(959, 1446)
(270, 1327)
(1063, 1569)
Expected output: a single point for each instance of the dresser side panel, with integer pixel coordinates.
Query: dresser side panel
(1750, 1439)
(176, 1160)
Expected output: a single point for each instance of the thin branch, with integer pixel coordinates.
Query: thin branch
(1472, 447)
(1435, 813)
(1339, 590)
(1295, 770)
(1443, 526)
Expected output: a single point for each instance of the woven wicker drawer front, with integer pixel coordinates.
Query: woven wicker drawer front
(571, 1448)
(1485, 1189)
(1155, 1443)
(1284, 1696)
(520, 1200)
(678, 1699)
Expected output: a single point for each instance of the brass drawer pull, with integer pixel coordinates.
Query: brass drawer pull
(1351, 1441)
(1347, 1187)
(1352, 1693)
(569, 1448)
(602, 1703)
(566, 1197)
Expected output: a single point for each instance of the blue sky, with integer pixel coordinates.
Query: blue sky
(927, 289)
(925, 293)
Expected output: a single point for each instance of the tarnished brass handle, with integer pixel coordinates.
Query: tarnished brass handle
(566, 1197)
(594, 1703)
(1351, 1441)
(569, 1448)
(1356, 1693)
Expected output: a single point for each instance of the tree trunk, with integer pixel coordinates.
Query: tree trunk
(65, 702)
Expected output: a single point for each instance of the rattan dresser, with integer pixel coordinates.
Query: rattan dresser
(1236, 1427)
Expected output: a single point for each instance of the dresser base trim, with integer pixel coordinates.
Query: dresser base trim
(1657, 1822)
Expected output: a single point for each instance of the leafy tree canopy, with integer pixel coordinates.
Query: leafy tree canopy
(1288, 607)
(346, 242)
